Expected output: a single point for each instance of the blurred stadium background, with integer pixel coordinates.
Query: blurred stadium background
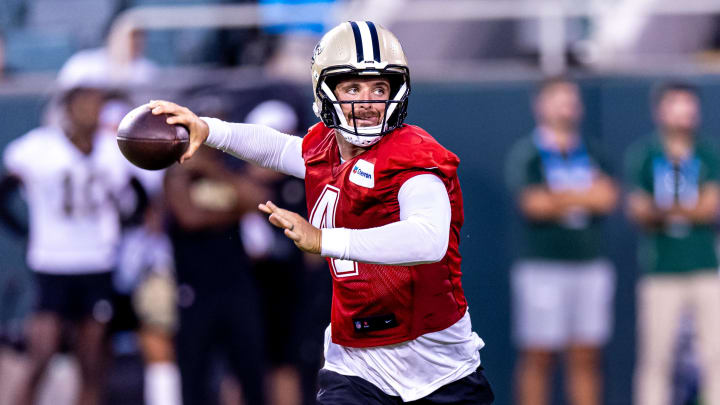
(473, 66)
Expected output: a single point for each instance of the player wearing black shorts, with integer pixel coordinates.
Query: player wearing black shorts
(73, 177)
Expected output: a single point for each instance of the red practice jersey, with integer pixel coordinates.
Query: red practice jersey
(376, 304)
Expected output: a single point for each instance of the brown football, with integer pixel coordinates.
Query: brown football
(148, 141)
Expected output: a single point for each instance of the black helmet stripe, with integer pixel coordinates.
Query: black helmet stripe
(375, 41)
(358, 41)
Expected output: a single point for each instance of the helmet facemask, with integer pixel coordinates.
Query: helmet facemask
(395, 107)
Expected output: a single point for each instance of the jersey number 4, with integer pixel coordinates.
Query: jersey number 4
(323, 216)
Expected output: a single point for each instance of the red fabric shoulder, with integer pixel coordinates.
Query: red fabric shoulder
(314, 134)
(410, 147)
(317, 141)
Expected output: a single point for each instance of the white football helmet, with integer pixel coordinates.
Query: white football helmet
(366, 49)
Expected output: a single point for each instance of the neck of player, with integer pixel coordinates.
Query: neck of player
(348, 151)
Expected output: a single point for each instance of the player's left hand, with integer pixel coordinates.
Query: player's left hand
(307, 237)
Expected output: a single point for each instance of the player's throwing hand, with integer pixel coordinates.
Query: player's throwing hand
(306, 237)
(197, 128)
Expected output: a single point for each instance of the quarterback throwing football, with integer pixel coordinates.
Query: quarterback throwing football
(385, 210)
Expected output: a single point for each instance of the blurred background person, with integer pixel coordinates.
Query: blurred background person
(145, 302)
(278, 266)
(562, 285)
(674, 200)
(219, 308)
(145, 315)
(77, 185)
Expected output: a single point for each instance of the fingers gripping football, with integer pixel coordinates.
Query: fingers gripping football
(307, 237)
(199, 130)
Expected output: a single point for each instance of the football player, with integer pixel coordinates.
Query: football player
(385, 210)
(75, 184)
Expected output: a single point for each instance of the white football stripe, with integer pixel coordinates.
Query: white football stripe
(366, 39)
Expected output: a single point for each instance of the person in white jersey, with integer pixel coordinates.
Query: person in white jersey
(76, 184)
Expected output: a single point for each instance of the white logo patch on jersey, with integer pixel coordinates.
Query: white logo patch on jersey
(363, 174)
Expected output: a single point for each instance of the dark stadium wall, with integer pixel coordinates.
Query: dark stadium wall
(480, 122)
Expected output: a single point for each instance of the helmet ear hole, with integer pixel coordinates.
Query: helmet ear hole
(327, 113)
(333, 80)
(396, 81)
(398, 115)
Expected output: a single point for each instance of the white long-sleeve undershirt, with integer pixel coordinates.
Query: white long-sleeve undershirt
(258, 144)
(420, 236)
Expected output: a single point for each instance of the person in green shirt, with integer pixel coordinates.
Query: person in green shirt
(562, 285)
(675, 197)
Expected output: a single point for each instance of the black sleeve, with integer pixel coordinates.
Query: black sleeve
(141, 204)
(8, 185)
